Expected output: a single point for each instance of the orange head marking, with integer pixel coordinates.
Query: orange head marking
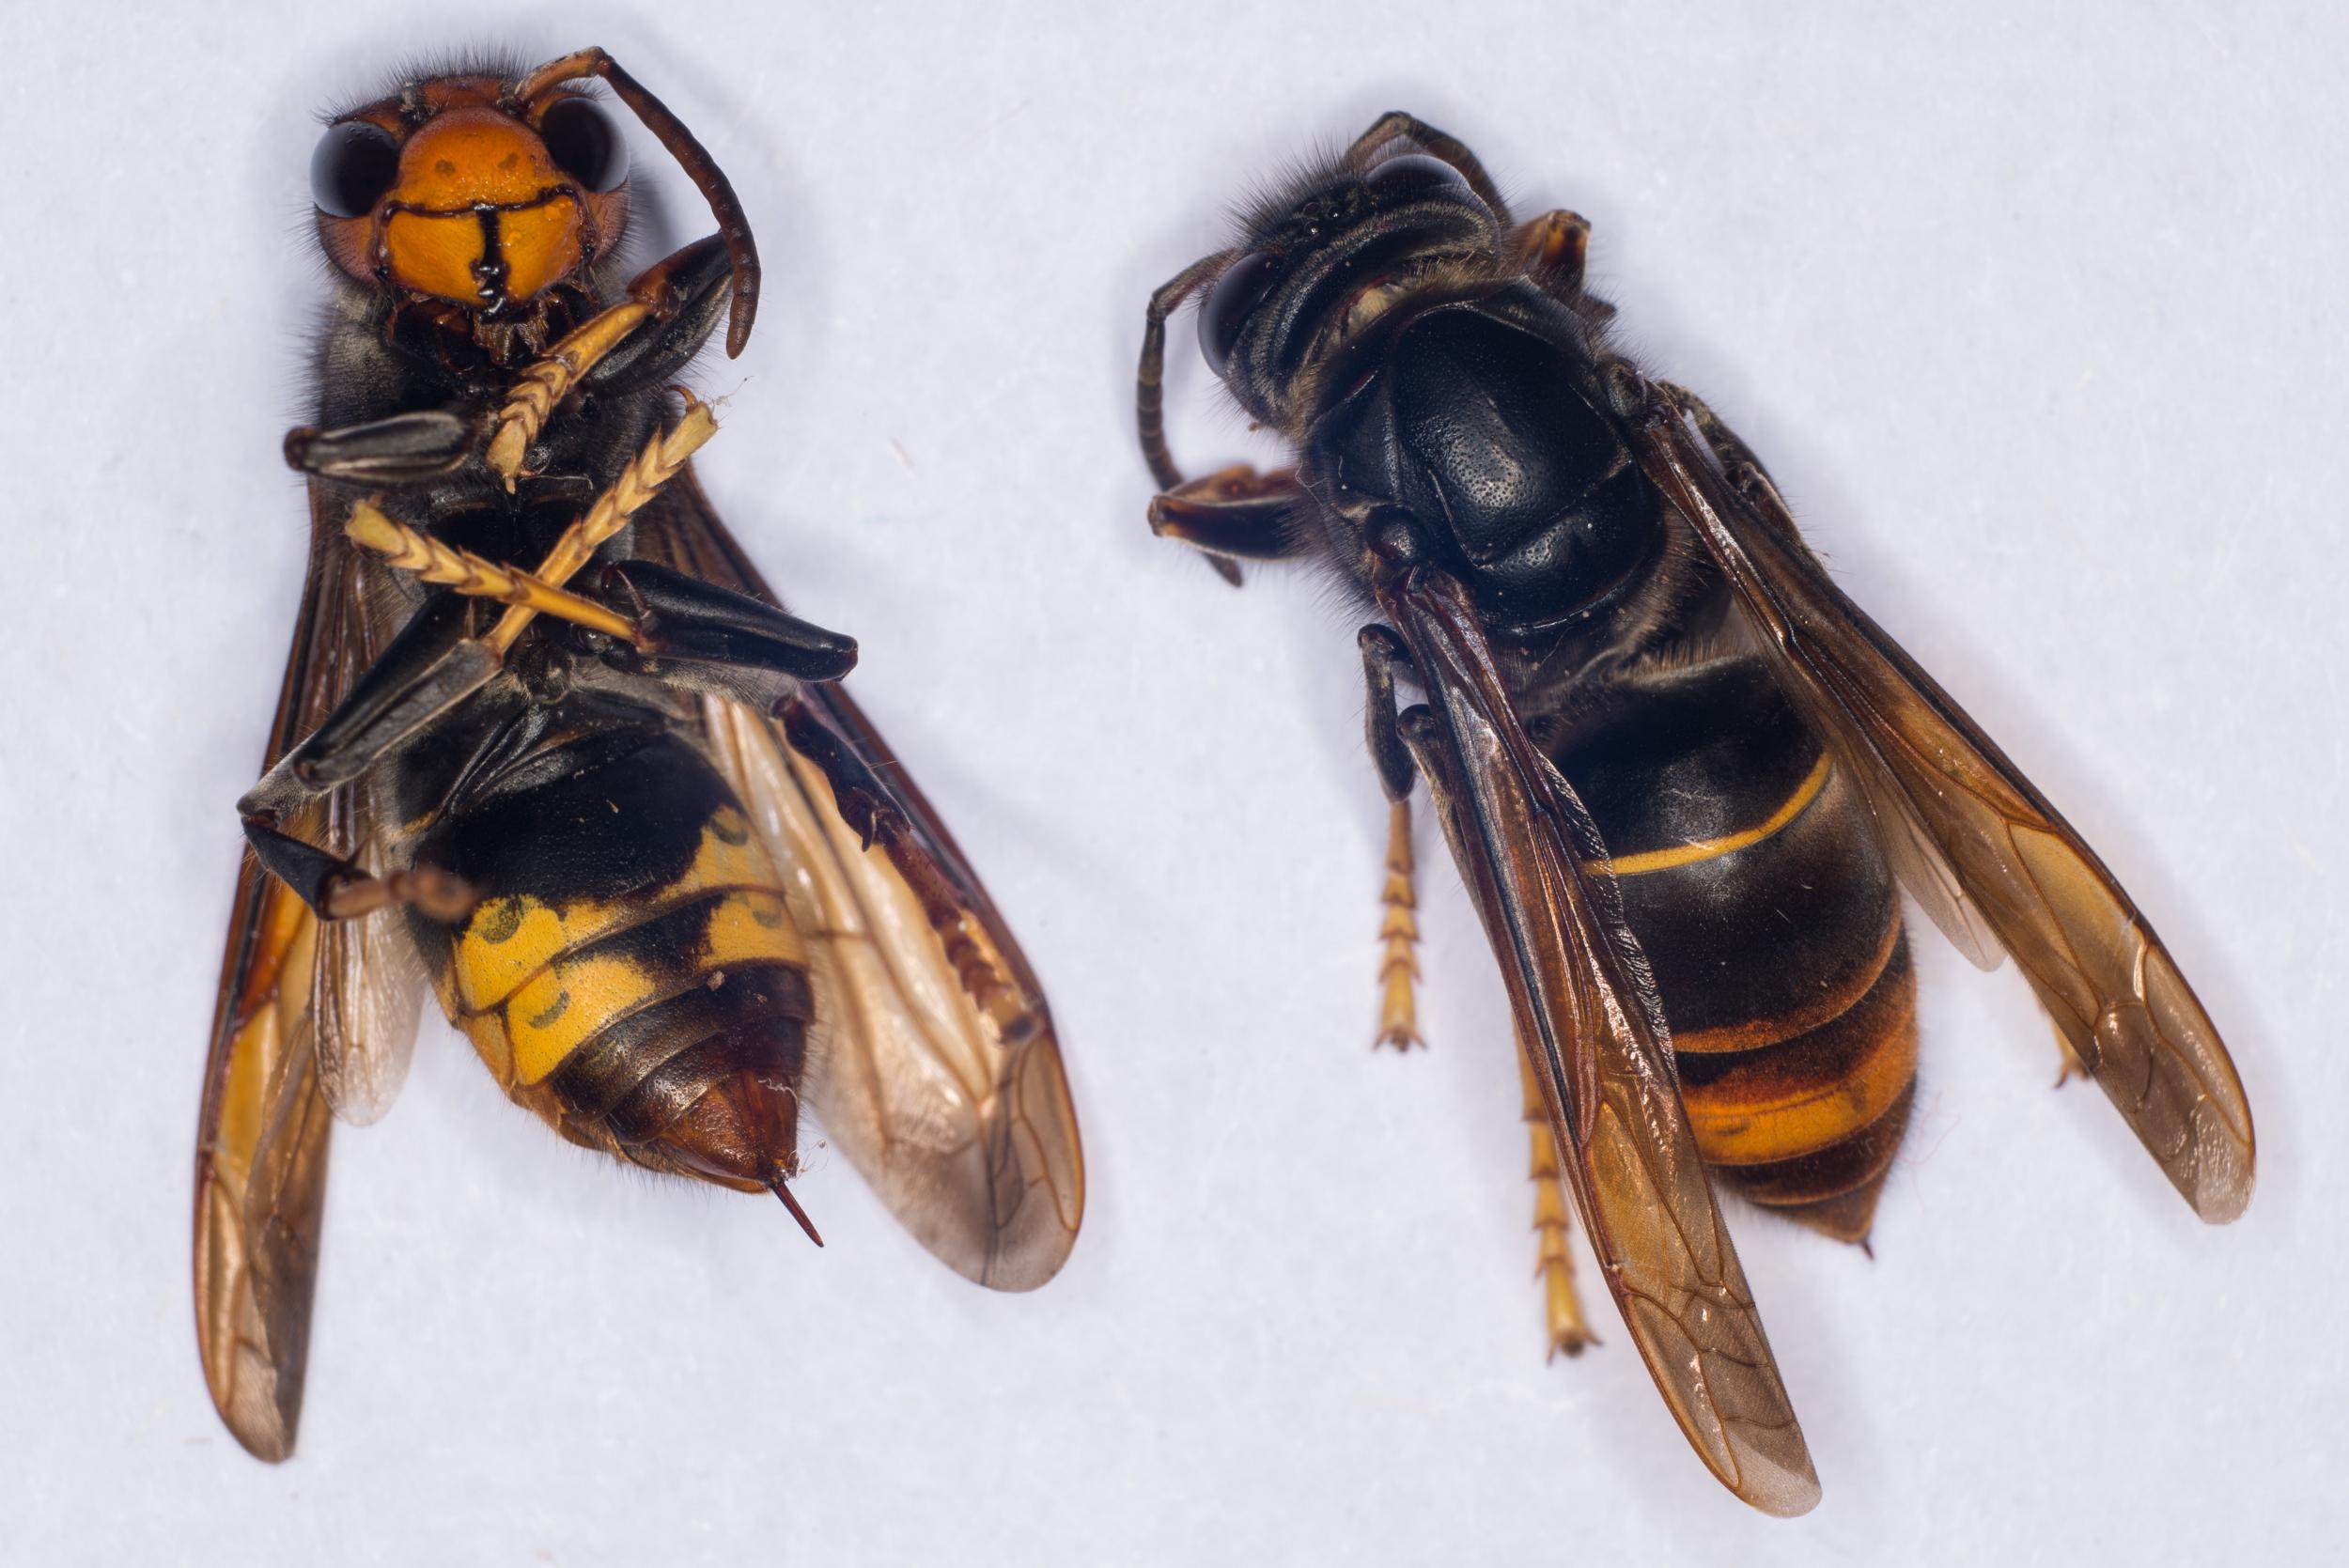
(454, 192)
(479, 213)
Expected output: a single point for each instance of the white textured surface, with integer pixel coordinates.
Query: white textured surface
(2037, 315)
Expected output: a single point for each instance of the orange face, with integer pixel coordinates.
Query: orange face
(450, 193)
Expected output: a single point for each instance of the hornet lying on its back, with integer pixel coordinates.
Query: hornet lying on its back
(545, 729)
(1680, 771)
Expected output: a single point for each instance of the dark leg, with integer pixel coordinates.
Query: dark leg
(1150, 394)
(337, 889)
(647, 339)
(671, 309)
(682, 618)
(404, 449)
(420, 677)
(1382, 650)
(865, 802)
(1394, 125)
(657, 621)
(1233, 513)
(685, 293)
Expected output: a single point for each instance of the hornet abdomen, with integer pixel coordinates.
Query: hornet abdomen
(631, 974)
(1755, 887)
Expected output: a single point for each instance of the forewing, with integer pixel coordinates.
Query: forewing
(260, 1171)
(291, 994)
(936, 1069)
(1588, 1020)
(1980, 847)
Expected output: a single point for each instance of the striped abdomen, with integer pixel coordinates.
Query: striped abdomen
(633, 953)
(1751, 875)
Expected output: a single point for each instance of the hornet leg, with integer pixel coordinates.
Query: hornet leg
(660, 620)
(402, 449)
(872, 810)
(1234, 513)
(1194, 511)
(671, 309)
(866, 804)
(1411, 734)
(337, 889)
(1548, 251)
(1398, 933)
(1552, 249)
(425, 672)
(1568, 1332)
(677, 617)
(1398, 925)
(2068, 1062)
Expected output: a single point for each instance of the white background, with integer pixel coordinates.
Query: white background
(2038, 317)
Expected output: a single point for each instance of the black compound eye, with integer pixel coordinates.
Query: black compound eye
(584, 143)
(354, 167)
(1239, 291)
(1413, 172)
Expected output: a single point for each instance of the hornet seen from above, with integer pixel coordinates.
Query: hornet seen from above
(1682, 775)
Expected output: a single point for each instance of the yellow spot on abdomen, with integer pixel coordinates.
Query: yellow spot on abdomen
(547, 1018)
(531, 981)
(512, 938)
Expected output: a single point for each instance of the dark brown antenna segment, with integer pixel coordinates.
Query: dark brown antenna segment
(695, 159)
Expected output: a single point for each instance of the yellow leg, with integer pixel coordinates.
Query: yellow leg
(1398, 930)
(664, 456)
(528, 595)
(432, 561)
(2068, 1066)
(548, 382)
(1568, 1332)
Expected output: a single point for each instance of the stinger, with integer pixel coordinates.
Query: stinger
(775, 1185)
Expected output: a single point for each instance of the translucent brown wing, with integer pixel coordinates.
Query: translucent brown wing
(936, 1069)
(1589, 1021)
(367, 989)
(1991, 861)
(294, 997)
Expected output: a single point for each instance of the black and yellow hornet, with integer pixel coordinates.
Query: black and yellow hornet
(548, 743)
(1683, 775)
